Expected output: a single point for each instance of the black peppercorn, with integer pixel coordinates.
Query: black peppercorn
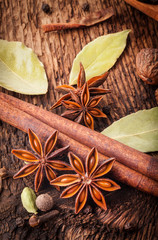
(46, 8)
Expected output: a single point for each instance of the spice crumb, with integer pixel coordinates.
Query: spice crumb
(85, 7)
(46, 8)
(106, 110)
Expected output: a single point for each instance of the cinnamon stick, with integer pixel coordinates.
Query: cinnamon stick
(87, 21)
(128, 156)
(24, 121)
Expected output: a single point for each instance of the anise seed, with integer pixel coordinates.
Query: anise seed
(57, 165)
(91, 163)
(85, 98)
(67, 179)
(93, 103)
(96, 194)
(37, 145)
(104, 184)
(25, 155)
(94, 112)
(77, 165)
(82, 195)
(88, 120)
(72, 189)
(102, 170)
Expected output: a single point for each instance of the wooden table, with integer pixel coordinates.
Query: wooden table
(131, 214)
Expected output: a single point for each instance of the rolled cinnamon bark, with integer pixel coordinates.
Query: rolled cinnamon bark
(87, 21)
(24, 121)
(128, 156)
(60, 26)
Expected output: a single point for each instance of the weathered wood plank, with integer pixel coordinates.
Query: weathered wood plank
(131, 214)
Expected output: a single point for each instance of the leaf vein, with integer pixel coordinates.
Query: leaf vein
(136, 134)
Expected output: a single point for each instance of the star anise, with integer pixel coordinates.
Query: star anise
(42, 160)
(87, 178)
(82, 108)
(93, 83)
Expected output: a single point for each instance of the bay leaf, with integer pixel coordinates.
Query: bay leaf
(138, 130)
(99, 55)
(20, 69)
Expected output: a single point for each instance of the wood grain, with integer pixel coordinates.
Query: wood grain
(131, 214)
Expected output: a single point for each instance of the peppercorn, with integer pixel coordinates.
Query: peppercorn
(147, 65)
(46, 8)
(44, 202)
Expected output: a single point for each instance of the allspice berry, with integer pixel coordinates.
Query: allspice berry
(44, 202)
(147, 65)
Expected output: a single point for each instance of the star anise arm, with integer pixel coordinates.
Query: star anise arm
(88, 120)
(91, 161)
(85, 95)
(98, 91)
(76, 163)
(38, 178)
(65, 180)
(80, 117)
(71, 105)
(71, 114)
(75, 97)
(50, 174)
(59, 165)
(25, 155)
(106, 184)
(94, 101)
(97, 196)
(75, 115)
(81, 77)
(71, 191)
(81, 199)
(95, 112)
(104, 168)
(97, 80)
(50, 143)
(35, 143)
(58, 103)
(57, 153)
(65, 88)
(26, 170)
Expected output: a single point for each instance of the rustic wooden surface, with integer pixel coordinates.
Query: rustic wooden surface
(131, 214)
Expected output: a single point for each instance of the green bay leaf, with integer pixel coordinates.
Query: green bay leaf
(138, 130)
(21, 71)
(99, 55)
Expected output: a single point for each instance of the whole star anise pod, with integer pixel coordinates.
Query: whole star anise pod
(93, 85)
(87, 178)
(82, 108)
(42, 160)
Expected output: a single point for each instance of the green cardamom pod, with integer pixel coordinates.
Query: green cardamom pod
(28, 199)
